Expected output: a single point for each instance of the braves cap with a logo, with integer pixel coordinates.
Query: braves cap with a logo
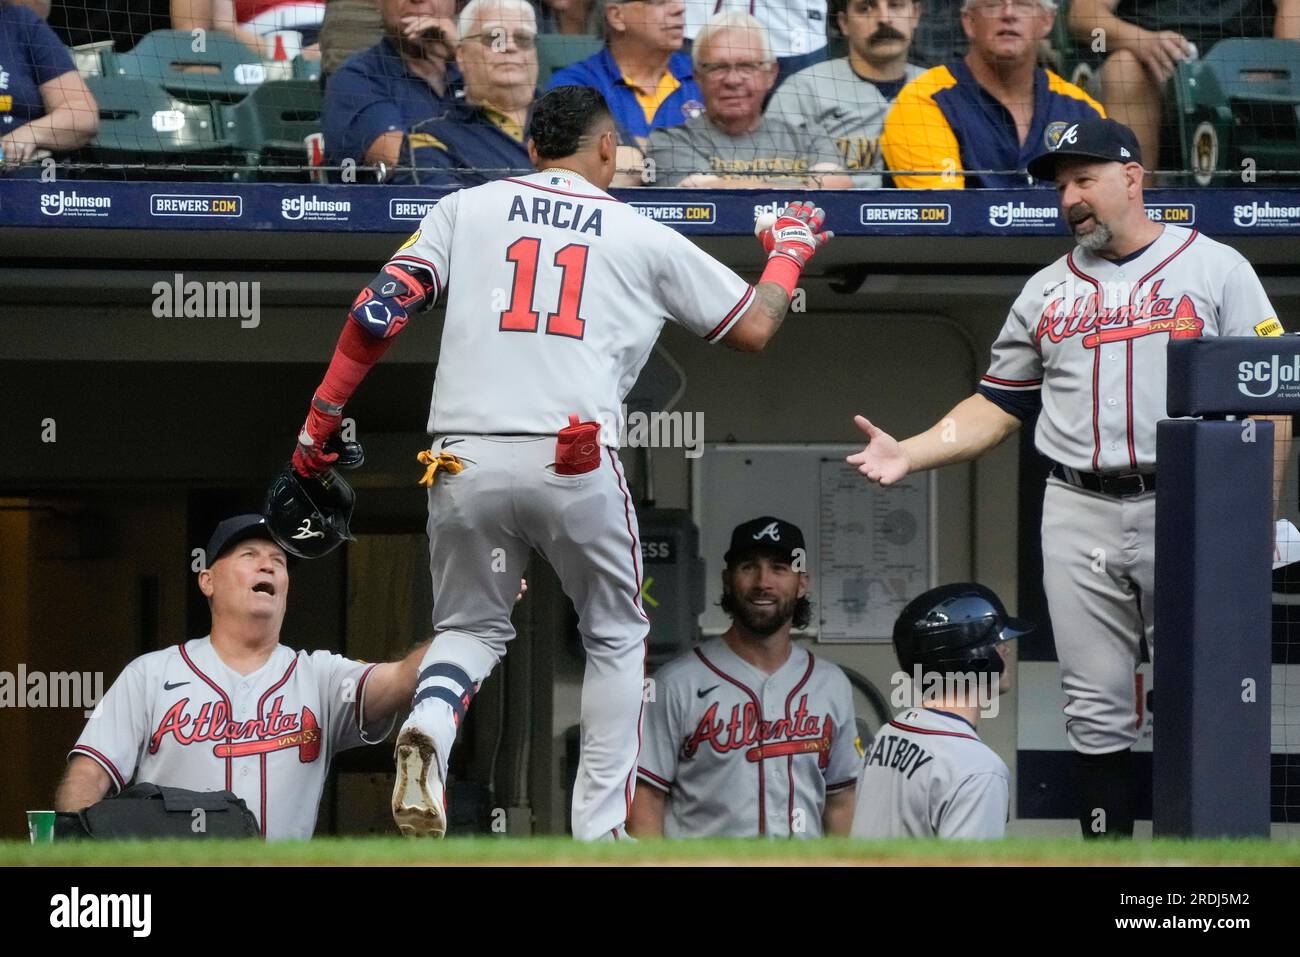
(1092, 138)
(764, 534)
(234, 530)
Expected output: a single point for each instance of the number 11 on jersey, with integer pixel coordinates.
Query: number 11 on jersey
(521, 316)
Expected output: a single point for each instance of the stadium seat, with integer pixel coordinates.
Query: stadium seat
(269, 127)
(556, 50)
(1239, 102)
(224, 70)
(142, 123)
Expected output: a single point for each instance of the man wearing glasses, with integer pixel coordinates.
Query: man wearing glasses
(642, 73)
(849, 96)
(978, 121)
(732, 144)
(481, 138)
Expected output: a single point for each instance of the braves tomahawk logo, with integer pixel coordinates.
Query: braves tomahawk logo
(234, 739)
(801, 734)
(1099, 324)
(306, 531)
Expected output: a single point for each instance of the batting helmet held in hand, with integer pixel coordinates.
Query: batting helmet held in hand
(309, 517)
(955, 629)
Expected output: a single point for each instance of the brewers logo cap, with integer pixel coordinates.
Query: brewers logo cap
(764, 534)
(1093, 138)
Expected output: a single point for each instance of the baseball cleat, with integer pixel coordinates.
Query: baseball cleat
(419, 799)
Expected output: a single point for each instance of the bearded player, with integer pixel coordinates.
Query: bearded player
(556, 293)
(1083, 350)
(749, 735)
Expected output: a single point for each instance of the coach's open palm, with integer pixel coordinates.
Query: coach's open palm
(883, 460)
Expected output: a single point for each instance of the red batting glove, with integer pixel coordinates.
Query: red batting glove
(310, 458)
(791, 242)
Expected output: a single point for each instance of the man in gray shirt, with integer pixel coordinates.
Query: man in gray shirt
(848, 97)
(731, 144)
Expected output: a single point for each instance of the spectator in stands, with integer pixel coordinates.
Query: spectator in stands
(378, 95)
(990, 111)
(646, 80)
(570, 17)
(124, 22)
(848, 97)
(732, 144)
(482, 137)
(253, 20)
(1147, 41)
(44, 104)
(796, 29)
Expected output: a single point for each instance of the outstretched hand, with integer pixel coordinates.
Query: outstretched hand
(883, 459)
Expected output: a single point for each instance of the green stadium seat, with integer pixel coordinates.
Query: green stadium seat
(223, 71)
(1240, 101)
(268, 128)
(556, 50)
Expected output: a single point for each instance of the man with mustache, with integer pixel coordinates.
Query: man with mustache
(1083, 351)
(848, 97)
(978, 121)
(749, 735)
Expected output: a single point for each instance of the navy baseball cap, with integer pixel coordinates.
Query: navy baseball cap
(232, 531)
(764, 534)
(1091, 138)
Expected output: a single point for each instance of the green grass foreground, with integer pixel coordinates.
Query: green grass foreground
(364, 852)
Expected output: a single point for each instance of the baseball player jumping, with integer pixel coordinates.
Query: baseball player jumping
(748, 734)
(556, 293)
(928, 773)
(237, 710)
(1083, 348)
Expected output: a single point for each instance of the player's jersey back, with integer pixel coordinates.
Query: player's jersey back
(928, 774)
(556, 293)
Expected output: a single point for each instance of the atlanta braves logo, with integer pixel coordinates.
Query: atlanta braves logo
(770, 530)
(1089, 316)
(306, 531)
(275, 731)
(802, 733)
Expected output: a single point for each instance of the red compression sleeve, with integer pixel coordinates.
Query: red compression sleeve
(783, 271)
(355, 353)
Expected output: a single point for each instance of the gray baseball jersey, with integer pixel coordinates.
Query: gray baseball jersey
(851, 110)
(183, 718)
(741, 753)
(930, 775)
(560, 292)
(778, 151)
(1089, 334)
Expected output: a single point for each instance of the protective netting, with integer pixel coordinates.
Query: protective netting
(860, 94)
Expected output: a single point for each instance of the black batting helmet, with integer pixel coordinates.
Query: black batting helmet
(309, 517)
(955, 629)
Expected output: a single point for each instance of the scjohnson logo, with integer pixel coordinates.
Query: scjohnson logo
(1249, 215)
(1262, 378)
(309, 207)
(72, 203)
(1021, 214)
